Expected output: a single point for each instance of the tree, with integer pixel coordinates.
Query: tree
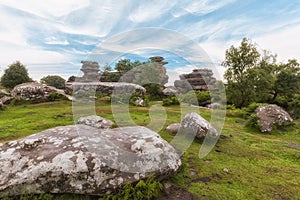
(240, 61)
(15, 74)
(55, 81)
(287, 80)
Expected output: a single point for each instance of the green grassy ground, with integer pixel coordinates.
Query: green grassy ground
(245, 164)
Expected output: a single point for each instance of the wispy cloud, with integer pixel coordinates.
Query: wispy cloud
(61, 33)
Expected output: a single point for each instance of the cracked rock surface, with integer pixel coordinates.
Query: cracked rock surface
(84, 160)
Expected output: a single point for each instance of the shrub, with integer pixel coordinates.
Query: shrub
(294, 107)
(252, 122)
(55, 81)
(14, 75)
(142, 190)
(154, 91)
(170, 101)
(196, 98)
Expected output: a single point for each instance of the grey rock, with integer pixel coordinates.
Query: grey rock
(214, 106)
(3, 93)
(140, 102)
(199, 79)
(197, 125)
(83, 160)
(35, 91)
(271, 115)
(6, 99)
(95, 121)
(173, 128)
(105, 88)
(170, 91)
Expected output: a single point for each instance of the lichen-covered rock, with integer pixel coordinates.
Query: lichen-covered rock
(6, 99)
(105, 88)
(173, 128)
(271, 115)
(83, 160)
(95, 121)
(35, 91)
(170, 91)
(3, 93)
(197, 125)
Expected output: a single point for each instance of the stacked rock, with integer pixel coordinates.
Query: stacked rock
(199, 79)
(160, 61)
(90, 70)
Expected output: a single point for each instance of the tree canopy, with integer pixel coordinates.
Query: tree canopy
(257, 77)
(15, 74)
(54, 80)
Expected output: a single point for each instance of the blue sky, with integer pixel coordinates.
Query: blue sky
(53, 37)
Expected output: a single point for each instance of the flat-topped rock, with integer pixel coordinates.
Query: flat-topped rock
(35, 91)
(83, 160)
(107, 88)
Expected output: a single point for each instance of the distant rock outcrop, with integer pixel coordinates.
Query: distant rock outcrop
(105, 88)
(199, 79)
(271, 115)
(35, 91)
(83, 160)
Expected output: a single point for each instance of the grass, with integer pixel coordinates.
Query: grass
(245, 164)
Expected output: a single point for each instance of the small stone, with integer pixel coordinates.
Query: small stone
(226, 170)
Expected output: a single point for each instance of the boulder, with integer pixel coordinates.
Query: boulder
(3, 93)
(173, 128)
(140, 102)
(105, 88)
(214, 106)
(170, 91)
(6, 99)
(271, 115)
(95, 121)
(35, 91)
(197, 125)
(81, 159)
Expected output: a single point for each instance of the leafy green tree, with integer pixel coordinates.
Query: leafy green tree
(15, 74)
(55, 81)
(287, 80)
(239, 61)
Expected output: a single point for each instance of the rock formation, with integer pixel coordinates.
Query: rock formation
(105, 88)
(90, 71)
(199, 79)
(35, 91)
(83, 160)
(271, 115)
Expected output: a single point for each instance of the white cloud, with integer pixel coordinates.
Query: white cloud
(202, 7)
(53, 8)
(284, 43)
(149, 10)
(54, 40)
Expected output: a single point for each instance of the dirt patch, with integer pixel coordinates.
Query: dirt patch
(174, 192)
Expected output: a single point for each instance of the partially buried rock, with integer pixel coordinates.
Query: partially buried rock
(95, 121)
(197, 125)
(83, 160)
(271, 115)
(173, 128)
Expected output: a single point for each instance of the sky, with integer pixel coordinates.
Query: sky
(53, 38)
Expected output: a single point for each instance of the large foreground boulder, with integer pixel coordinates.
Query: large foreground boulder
(271, 115)
(192, 123)
(83, 160)
(35, 91)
